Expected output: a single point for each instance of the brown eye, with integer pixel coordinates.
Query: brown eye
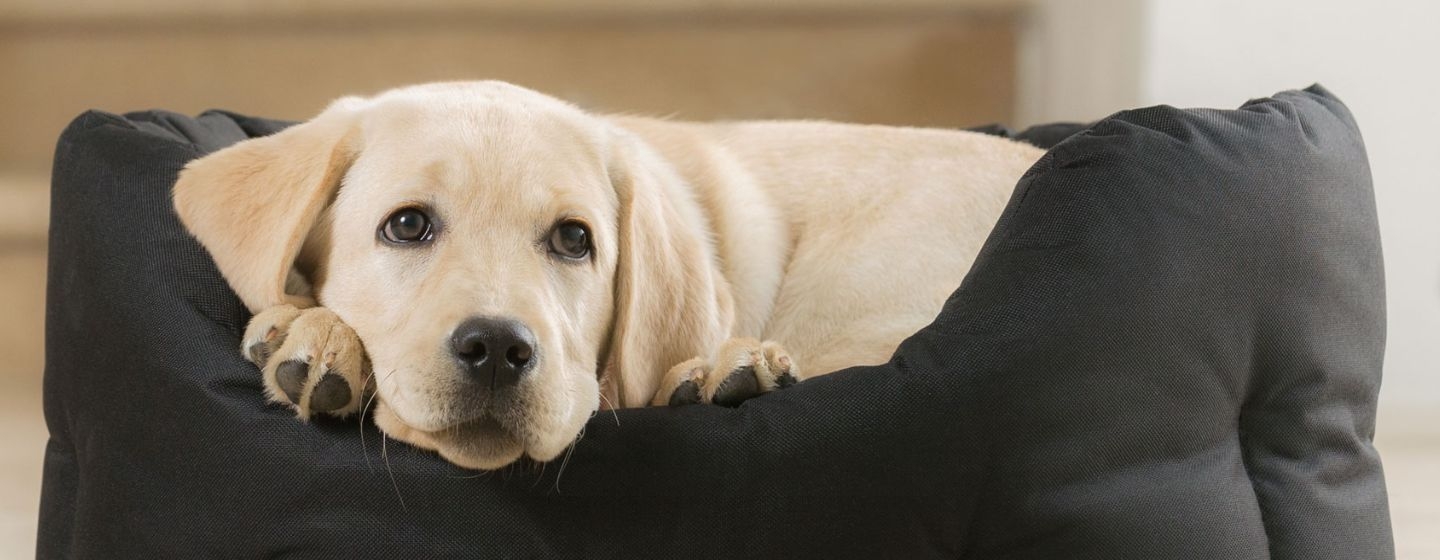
(570, 239)
(406, 225)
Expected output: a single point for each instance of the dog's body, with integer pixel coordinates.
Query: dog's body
(716, 260)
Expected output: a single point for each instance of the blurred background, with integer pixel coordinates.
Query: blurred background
(947, 63)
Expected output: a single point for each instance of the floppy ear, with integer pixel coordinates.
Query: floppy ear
(253, 204)
(671, 304)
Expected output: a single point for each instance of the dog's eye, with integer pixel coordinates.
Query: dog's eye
(406, 225)
(570, 239)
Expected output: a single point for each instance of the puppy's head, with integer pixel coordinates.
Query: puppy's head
(504, 257)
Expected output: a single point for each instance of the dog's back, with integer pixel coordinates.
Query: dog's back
(840, 240)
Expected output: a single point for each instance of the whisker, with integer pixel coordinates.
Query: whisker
(365, 406)
(399, 395)
(566, 460)
(612, 408)
(541, 475)
(374, 393)
(384, 452)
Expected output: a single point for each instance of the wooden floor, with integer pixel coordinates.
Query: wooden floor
(22, 428)
(1414, 498)
(1412, 455)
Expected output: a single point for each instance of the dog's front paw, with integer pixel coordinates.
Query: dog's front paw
(743, 368)
(310, 359)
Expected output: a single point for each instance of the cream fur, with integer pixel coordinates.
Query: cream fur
(822, 243)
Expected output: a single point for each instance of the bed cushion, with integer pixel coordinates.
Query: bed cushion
(1170, 346)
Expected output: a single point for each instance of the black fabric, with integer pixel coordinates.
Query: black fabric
(1043, 136)
(1169, 347)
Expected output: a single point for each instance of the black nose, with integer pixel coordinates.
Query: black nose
(495, 352)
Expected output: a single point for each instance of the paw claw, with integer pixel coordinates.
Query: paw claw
(259, 353)
(266, 332)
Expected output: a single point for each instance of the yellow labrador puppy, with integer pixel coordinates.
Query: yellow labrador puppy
(494, 264)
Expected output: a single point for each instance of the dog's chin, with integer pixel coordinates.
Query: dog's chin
(482, 444)
(478, 444)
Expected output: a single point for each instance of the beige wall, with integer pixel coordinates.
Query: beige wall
(925, 65)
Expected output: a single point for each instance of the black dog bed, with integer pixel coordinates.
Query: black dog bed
(1169, 347)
